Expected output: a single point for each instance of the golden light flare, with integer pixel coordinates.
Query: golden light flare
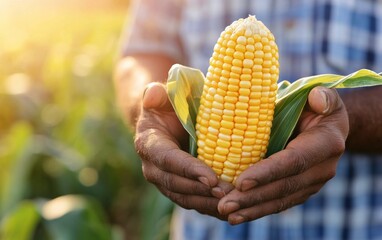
(60, 206)
(18, 83)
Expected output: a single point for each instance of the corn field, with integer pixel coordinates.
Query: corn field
(68, 165)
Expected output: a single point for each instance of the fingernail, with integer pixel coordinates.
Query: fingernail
(204, 180)
(248, 184)
(217, 192)
(326, 99)
(236, 219)
(230, 207)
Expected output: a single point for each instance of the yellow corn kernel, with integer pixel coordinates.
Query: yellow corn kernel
(234, 159)
(231, 165)
(237, 103)
(219, 158)
(223, 143)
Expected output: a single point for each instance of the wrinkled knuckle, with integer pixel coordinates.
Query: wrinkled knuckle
(167, 181)
(273, 171)
(160, 157)
(289, 186)
(164, 157)
(176, 198)
(184, 171)
(139, 144)
(272, 174)
(195, 188)
(300, 163)
(256, 199)
(171, 196)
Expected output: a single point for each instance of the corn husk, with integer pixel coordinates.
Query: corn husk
(185, 86)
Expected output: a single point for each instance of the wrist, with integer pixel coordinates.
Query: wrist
(365, 119)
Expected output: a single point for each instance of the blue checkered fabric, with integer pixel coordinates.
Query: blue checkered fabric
(314, 36)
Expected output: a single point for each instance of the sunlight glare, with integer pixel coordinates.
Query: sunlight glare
(18, 83)
(60, 206)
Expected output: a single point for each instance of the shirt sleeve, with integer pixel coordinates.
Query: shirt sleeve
(154, 28)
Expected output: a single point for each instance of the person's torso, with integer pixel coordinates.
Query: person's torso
(313, 36)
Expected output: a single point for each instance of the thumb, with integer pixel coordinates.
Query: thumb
(155, 97)
(323, 101)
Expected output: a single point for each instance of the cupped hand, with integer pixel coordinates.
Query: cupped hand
(159, 140)
(291, 176)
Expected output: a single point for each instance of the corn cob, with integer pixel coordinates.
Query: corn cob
(237, 104)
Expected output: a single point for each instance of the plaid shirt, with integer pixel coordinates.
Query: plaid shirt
(313, 36)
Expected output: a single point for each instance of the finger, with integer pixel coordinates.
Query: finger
(299, 155)
(155, 97)
(280, 165)
(204, 205)
(235, 200)
(271, 207)
(161, 120)
(173, 182)
(185, 165)
(323, 101)
(222, 189)
(164, 153)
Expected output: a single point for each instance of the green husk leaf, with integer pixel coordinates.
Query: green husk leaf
(185, 86)
(291, 99)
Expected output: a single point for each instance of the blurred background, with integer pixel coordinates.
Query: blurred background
(68, 169)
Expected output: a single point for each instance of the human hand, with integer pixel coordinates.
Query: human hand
(291, 176)
(184, 179)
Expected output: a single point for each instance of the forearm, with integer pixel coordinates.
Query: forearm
(132, 74)
(364, 108)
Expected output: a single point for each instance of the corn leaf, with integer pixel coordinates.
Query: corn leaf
(20, 222)
(184, 87)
